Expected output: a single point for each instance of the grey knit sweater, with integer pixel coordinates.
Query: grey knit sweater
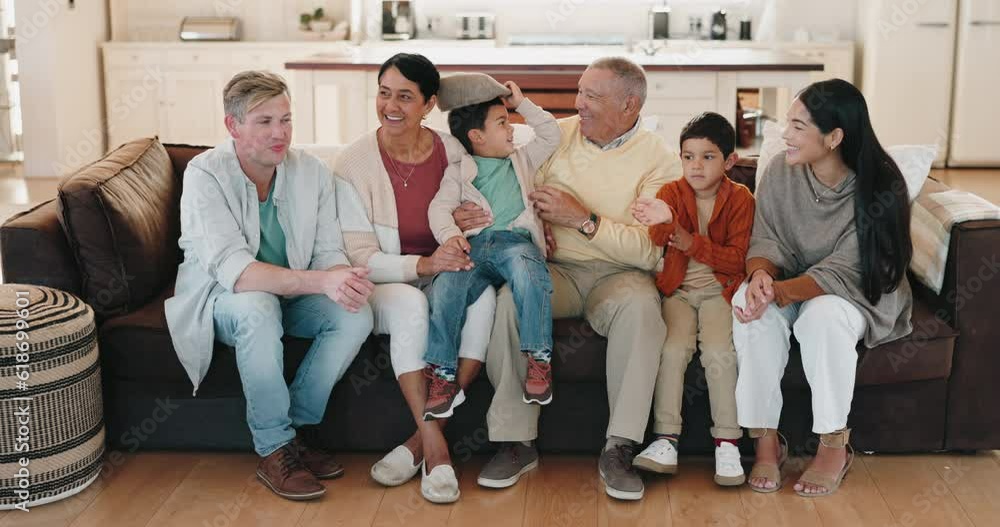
(801, 234)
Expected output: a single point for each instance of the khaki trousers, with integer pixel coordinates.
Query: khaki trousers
(699, 319)
(620, 303)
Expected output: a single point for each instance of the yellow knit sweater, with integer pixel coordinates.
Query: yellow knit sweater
(607, 183)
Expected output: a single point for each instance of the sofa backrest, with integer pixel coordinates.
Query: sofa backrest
(122, 220)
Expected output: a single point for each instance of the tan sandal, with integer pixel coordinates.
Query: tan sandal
(768, 471)
(831, 483)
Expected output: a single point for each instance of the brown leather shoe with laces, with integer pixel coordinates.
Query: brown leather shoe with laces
(283, 472)
(442, 397)
(318, 462)
(538, 382)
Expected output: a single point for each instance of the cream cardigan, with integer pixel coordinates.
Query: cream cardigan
(369, 218)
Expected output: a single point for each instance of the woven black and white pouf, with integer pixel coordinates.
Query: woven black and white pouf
(51, 415)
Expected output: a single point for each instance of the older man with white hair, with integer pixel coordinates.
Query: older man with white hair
(600, 269)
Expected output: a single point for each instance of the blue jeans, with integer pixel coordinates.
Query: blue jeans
(253, 323)
(500, 257)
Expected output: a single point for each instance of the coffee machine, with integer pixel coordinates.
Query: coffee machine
(717, 30)
(397, 20)
(659, 22)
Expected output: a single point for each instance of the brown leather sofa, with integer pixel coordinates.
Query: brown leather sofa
(115, 244)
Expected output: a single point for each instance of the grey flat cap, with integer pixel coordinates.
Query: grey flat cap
(464, 89)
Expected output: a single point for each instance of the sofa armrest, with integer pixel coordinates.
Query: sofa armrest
(969, 299)
(34, 250)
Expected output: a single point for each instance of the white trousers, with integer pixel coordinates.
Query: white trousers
(828, 329)
(401, 311)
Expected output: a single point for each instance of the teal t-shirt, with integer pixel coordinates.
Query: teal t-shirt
(272, 238)
(499, 185)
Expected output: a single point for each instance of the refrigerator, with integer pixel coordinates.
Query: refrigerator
(975, 116)
(930, 72)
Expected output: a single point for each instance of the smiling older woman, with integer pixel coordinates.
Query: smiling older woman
(386, 181)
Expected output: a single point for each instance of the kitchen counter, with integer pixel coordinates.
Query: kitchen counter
(568, 59)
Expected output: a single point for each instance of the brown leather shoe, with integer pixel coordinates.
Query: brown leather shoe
(318, 462)
(284, 474)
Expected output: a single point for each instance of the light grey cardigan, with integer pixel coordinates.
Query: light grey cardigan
(457, 187)
(220, 237)
(803, 235)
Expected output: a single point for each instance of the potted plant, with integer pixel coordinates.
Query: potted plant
(316, 21)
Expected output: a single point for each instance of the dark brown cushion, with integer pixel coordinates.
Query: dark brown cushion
(121, 217)
(181, 155)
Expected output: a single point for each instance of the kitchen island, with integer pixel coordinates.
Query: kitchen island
(334, 96)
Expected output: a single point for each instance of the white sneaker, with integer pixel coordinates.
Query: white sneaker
(660, 456)
(396, 468)
(441, 485)
(728, 469)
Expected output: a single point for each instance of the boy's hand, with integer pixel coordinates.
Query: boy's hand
(652, 211)
(460, 243)
(550, 240)
(681, 239)
(516, 97)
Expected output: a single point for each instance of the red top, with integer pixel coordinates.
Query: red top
(725, 247)
(415, 187)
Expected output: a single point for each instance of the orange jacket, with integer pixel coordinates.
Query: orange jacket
(725, 247)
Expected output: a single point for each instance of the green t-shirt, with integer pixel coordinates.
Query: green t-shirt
(272, 238)
(498, 183)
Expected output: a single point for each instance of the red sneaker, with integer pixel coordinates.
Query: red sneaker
(442, 397)
(538, 382)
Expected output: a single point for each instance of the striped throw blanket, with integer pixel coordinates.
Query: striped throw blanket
(930, 228)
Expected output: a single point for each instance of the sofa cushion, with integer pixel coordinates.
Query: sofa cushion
(122, 220)
(925, 354)
(137, 347)
(579, 356)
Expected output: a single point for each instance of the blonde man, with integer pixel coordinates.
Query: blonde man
(264, 256)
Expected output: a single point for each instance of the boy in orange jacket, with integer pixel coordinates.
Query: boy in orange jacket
(704, 220)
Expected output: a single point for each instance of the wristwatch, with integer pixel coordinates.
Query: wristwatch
(589, 226)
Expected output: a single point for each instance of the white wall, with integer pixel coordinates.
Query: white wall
(60, 76)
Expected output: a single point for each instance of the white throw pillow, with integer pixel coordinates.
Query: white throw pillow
(326, 153)
(914, 161)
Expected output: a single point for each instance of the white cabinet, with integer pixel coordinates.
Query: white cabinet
(175, 90)
(977, 75)
(907, 79)
(674, 98)
(838, 61)
(194, 113)
(134, 101)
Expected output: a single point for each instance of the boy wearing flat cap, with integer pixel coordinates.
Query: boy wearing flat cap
(510, 250)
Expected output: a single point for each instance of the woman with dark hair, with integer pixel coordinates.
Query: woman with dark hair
(827, 263)
(385, 183)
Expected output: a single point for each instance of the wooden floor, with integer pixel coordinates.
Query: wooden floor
(219, 490)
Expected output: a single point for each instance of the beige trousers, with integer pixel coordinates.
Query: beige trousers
(697, 319)
(620, 303)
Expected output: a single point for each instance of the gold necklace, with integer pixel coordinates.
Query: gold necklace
(395, 168)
